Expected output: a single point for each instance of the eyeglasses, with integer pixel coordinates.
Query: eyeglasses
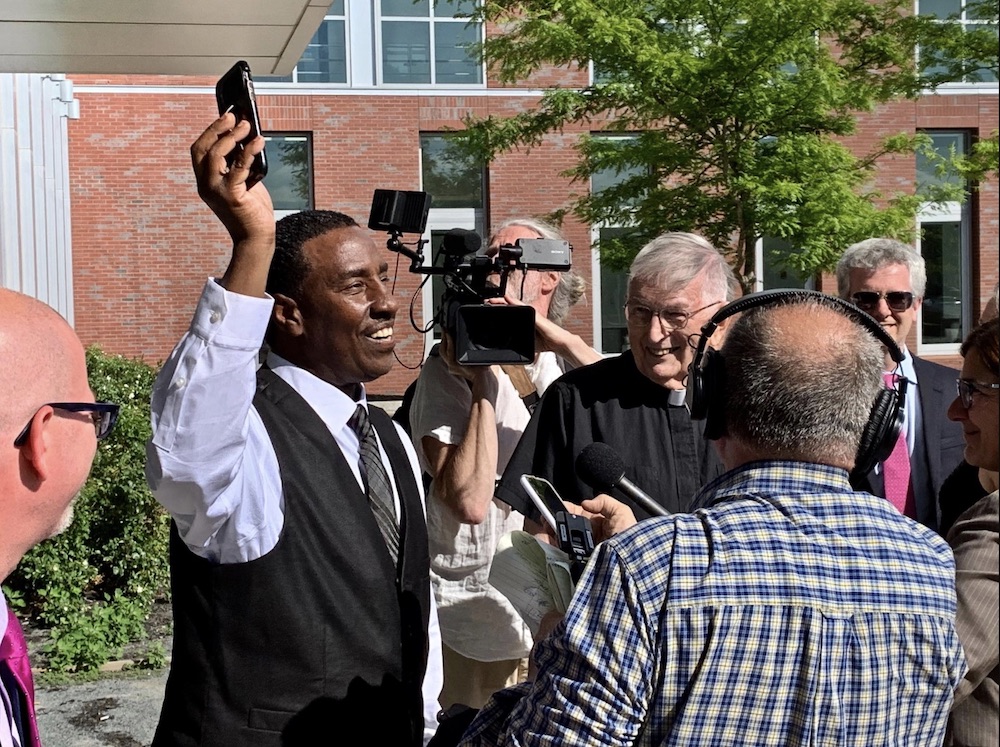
(104, 415)
(895, 300)
(670, 319)
(968, 387)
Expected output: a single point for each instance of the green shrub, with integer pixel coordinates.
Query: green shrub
(94, 584)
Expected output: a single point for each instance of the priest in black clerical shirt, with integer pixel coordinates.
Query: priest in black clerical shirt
(635, 402)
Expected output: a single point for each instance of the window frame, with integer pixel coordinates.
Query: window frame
(596, 279)
(308, 137)
(442, 220)
(266, 83)
(949, 212)
(431, 20)
(960, 86)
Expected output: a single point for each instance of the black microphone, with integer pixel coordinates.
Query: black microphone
(602, 469)
(460, 242)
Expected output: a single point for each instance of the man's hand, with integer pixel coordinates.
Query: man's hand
(549, 336)
(485, 376)
(246, 213)
(608, 517)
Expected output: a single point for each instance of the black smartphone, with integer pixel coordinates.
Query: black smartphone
(234, 92)
(545, 498)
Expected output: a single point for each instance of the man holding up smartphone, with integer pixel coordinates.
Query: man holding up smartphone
(299, 567)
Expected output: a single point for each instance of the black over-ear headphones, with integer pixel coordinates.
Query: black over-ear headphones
(707, 376)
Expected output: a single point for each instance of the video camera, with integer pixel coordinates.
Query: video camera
(484, 333)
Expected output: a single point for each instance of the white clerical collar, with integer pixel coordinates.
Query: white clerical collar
(676, 397)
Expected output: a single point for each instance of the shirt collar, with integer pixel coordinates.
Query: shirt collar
(905, 368)
(333, 406)
(774, 478)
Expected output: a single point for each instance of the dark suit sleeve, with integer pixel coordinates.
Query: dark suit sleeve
(943, 441)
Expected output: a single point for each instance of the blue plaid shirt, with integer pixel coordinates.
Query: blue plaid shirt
(790, 610)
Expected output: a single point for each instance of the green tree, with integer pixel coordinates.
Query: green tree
(739, 110)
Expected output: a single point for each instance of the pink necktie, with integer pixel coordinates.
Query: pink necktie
(14, 651)
(896, 470)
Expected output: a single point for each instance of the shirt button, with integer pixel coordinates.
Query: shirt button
(215, 317)
(180, 383)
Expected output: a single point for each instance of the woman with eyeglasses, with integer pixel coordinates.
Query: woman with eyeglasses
(975, 538)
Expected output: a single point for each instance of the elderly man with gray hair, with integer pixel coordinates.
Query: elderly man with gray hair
(465, 422)
(887, 279)
(635, 402)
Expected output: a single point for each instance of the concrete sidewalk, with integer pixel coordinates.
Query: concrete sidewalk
(119, 710)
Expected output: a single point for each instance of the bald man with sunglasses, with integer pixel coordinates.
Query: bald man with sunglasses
(887, 278)
(49, 428)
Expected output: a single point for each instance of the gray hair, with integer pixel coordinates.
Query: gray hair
(571, 286)
(874, 254)
(672, 260)
(788, 399)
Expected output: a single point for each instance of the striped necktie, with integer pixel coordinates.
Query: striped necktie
(376, 480)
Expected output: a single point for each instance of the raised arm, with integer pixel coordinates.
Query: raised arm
(205, 461)
(246, 213)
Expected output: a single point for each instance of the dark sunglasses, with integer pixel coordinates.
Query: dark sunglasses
(895, 300)
(968, 387)
(104, 415)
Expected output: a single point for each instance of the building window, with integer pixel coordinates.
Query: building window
(972, 16)
(325, 57)
(772, 269)
(944, 245)
(610, 286)
(456, 184)
(289, 177)
(428, 42)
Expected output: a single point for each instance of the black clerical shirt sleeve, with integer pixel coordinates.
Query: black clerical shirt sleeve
(540, 455)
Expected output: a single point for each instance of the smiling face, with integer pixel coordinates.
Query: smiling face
(895, 277)
(664, 357)
(981, 422)
(347, 312)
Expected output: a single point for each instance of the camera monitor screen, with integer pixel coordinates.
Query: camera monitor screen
(485, 335)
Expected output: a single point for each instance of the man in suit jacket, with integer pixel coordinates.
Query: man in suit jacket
(887, 279)
(49, 426)
(299, 567)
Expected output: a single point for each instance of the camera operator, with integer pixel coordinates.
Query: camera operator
(465, 422)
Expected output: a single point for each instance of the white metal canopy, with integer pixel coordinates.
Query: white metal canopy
(167, 37)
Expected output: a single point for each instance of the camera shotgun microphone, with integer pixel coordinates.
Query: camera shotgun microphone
(602, 469)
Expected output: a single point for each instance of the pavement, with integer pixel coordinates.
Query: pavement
(119, 710)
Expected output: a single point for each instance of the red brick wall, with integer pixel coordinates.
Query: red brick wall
(144, 243)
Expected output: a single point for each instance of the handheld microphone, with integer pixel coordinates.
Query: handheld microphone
(602, 469)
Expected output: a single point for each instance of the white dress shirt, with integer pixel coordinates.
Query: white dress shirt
(210, 462)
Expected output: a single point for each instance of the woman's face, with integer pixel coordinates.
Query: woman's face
(981, 421)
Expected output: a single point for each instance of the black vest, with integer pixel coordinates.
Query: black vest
(321, 640)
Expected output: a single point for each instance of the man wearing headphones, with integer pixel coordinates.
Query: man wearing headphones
(788, 608)
(886, 278)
